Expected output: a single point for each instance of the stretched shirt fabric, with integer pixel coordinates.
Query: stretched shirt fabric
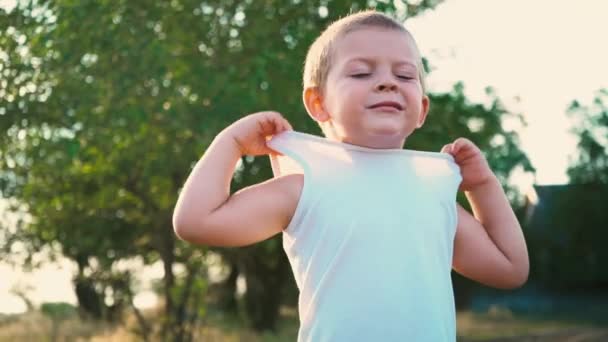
(371, 240)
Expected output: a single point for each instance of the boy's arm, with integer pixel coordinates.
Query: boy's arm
(205, 212)
(489, 247)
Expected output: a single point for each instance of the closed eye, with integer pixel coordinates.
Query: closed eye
(403, 77)
(360, 75)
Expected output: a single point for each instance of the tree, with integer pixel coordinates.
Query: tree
(592, 130)
(90, 146)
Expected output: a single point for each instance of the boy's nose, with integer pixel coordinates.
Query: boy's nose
(386, 85)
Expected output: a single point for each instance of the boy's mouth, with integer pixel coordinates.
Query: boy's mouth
(386, 104)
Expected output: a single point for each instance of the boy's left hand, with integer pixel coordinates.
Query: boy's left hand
(474, 168)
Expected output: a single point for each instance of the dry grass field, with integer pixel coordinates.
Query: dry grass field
(497, 324)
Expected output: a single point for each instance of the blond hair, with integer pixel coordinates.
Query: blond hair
(318, 58)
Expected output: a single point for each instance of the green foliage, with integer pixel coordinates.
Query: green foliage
(592, 130)
(58, 311)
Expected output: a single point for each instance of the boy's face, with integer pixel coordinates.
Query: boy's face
(373, 95)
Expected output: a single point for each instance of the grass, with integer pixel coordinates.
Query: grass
(499, 324)
(34, 326)
(496, 324)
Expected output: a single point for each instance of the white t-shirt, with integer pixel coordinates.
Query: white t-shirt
(371, 240)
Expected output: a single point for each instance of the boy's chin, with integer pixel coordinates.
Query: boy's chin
(385, 140)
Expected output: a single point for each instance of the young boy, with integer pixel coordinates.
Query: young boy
(372, 231)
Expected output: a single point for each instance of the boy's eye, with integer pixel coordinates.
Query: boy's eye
(360, 75)
(405, 77)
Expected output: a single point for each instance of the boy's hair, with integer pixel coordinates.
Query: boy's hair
(318, 59)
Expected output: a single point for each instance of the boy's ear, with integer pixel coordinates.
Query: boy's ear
(313, 101)
(424, 111)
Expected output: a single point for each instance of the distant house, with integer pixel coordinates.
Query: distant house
(566, 227)
(545, 204)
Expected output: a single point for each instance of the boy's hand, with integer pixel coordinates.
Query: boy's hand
(250, 133)
(474, 168)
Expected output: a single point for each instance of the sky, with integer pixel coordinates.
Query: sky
(545, 52)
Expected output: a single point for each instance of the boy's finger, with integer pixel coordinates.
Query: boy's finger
(288, 125)
(280, 123)
(277, 124)
(463, 142)
(459, 144)
(445, 148)
(283, 125)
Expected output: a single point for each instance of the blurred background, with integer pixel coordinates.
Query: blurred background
(106, 105)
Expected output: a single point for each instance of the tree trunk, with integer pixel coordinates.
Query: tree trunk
(90, 303)
(167, 254)
(227, 291)
(265, 276)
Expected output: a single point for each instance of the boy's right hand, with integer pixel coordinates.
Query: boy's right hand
(251, 132)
